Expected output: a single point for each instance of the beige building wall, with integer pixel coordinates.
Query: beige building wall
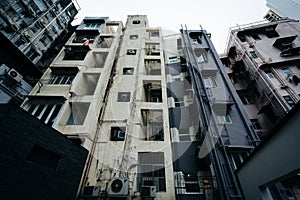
(120, 158)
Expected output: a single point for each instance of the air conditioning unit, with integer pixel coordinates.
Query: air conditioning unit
(15, 75)
(118, 187)
(148, 191)
(91, 191)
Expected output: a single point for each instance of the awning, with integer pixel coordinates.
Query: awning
(43, 99)
(282, 42)
(66, 71)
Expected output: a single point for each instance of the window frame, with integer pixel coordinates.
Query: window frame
(123, 96)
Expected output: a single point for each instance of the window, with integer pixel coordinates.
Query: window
(117, 133)
(78, 114)
(287, 72)
(152, 66)
(210, 82)
(92, 26)
(238, 158)
(226, 119)
(253, 54)
(152, 49)
(41, 6)
(201, 54)
(270, 31)
(154, 34)
(133, 37)
(123, 96)
(136, 22)
(62, 80)
(289, 100)
(44, 157)
(269, 74)
(73, 52)
(31, 54)
(131, 51)
(128, 71)
(151, 170)
(45, 112)
(46, 40)
(153, 124)
(153, 91)
(255, 123)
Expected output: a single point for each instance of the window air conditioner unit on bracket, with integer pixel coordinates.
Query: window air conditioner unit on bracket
(15, 75)
(118, 187)
(148, 191)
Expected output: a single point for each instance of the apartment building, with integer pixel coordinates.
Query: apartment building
(31, 34)
(262, 61)
(211, 134)
(287, 8)
(158, 114)
(32, 26)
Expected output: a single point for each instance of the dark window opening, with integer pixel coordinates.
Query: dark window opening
(128, 71)
(153, 92)
(151, 170)
(133, 37)
(201, 54)
(152, 49)
(123, 96)
(253, 54)
(45, 112)
(270, 32)
(242, 37)
(75, 52)
(32, 54)
(105, 41)
(154, 34)
(289, 100)
(285, 43)
(62, 80)
(44, 157)
(78, 114)
(84, 38)
(136, 22)
(117, 133)
(131, 51)
(196, 37)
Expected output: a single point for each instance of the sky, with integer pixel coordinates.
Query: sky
(215, 16)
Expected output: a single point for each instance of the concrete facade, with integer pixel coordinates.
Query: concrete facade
(288, 8)
(157, 114)
(37, 162)
(31, 34)
(262, 63)
(32, 26)
(274, 161)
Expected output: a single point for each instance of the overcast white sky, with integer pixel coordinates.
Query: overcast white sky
(216, 16)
